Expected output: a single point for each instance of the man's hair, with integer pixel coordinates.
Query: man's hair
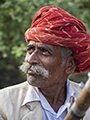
(65, 53)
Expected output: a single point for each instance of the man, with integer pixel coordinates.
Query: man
(57, 46)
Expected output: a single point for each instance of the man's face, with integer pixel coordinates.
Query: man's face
(48, 57)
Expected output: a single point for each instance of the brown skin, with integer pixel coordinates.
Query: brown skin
(49, 57)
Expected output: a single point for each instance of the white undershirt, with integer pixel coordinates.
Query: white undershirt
(34, 94)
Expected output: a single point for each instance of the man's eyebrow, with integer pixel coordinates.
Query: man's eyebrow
(44, 48)
(39, 47)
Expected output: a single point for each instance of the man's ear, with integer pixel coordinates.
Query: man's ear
(70, 65)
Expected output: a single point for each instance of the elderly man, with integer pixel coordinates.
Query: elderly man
(57, 46)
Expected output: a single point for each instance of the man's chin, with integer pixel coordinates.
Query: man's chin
(32, 80)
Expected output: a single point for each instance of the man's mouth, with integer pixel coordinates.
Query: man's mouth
(34, 69)
(30, 72)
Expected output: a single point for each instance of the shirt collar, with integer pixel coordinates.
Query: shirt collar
(33, 94)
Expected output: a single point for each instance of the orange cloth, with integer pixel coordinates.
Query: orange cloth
(55, 26)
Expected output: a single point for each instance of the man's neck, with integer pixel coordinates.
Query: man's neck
(56, 97)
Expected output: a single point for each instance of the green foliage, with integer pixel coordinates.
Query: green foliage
(15, 18)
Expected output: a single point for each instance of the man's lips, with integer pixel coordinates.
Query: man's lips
(31, 72)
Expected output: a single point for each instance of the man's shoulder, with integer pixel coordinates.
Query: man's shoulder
(14, 92)
(16, 87)
(76, 87)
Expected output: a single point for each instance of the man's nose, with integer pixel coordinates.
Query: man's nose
(32, 58)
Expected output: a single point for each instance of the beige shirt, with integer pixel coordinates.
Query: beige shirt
(11, 99)
(34, 94)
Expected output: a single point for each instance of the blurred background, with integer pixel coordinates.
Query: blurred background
(15, 18)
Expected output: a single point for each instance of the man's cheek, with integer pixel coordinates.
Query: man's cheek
(26, 57)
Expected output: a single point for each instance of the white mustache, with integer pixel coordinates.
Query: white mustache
(35, 68)
(24, 67)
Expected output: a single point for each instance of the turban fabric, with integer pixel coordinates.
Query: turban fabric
(55, 26)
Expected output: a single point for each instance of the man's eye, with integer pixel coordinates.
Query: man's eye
(30, 50)
(45, 51)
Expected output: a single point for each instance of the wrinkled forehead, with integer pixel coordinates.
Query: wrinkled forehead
(44, 45)
(32, 42)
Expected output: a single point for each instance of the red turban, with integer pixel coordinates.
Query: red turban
(55, 26)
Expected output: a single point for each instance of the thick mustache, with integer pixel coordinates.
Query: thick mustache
(24, 67)
(35, 68)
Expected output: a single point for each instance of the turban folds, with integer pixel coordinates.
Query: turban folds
(55, 26)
